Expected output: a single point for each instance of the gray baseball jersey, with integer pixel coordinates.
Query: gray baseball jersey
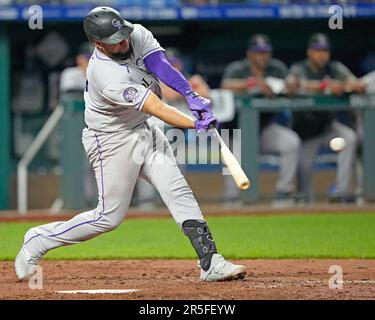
(121, 146)
(117, 89)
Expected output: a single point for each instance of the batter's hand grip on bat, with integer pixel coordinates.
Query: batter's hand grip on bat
(234, 167)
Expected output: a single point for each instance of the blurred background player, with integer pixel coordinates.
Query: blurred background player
(261, 75)
(73, 79)
(73, 82)
(318, 74)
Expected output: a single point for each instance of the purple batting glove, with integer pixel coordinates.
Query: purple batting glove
(197, 104)
(207, 122)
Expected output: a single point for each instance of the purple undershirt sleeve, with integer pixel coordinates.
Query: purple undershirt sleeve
(158, 64)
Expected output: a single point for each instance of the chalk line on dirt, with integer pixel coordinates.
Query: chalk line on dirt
(99, 291)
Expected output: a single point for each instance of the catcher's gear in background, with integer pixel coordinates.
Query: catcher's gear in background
(106, 25)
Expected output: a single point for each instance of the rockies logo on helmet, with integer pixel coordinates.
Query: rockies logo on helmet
(117, 24)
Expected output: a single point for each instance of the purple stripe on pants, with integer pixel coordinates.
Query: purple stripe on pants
(100, 213)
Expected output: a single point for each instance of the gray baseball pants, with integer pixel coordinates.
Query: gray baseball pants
(118, 159)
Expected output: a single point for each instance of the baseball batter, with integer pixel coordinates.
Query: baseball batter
(122, 91)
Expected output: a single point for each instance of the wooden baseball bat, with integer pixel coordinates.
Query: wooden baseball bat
(234, 167)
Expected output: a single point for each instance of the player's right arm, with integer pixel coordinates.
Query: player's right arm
(154, 106)
(136, 96)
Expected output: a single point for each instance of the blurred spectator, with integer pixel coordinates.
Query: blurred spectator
(368, 82)
(319, 75)
(73, 79)
(261, 75)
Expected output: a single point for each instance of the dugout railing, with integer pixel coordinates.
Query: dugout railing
(69, 115)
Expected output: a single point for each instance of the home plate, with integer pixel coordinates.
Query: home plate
(99, 291)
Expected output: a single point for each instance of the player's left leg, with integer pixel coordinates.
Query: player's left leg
(116, 174)
(160, 168)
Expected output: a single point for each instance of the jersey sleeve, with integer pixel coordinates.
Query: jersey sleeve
(232, 71)
(296, 70)
(342, 72)
(369, 81)
(64, 81)
(149, 43)
(280, 69)
(71, 79)
(126, 94)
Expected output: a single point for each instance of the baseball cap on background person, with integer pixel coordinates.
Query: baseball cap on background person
(86, 49)
(173, 55)
(84, 54)
(259, 43)
(319, 41)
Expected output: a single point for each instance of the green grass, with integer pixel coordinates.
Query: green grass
(276, 236)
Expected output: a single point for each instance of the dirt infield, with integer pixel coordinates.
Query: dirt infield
(178, 279)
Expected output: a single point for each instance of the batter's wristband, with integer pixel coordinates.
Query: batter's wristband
(191, 93)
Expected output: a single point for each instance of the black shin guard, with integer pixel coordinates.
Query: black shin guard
(201, 239)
